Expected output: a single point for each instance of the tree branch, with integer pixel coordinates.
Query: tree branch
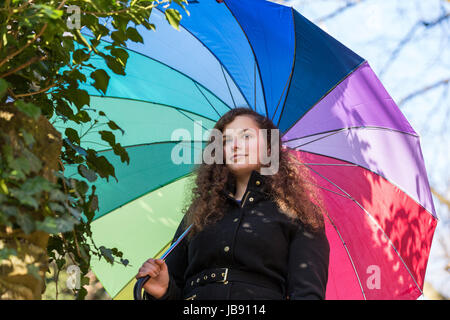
(33, 60)
(423, 90)
(409, 36)
(345, 7)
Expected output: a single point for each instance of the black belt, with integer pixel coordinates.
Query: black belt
(226, 274)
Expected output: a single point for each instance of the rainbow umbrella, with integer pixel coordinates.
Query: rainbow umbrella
(331, 109)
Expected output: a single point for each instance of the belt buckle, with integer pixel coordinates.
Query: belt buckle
(225, 274)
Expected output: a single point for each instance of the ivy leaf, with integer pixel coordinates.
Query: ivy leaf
(26, 223)
(3, 87)
(27, 137)
(24, 198)
(36, 185)
(6, 252)
(29, 109)
(101, 80)
(56, 225)
(34, 271)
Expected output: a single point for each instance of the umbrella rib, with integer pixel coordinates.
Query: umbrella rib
(149, 144)
(209, 102)
(368, 169)
(176, 70)
(228, 86)
(217, 58)
(348, 254)
(376, 223)
(180, 111)
(320, 99)
(290, 76)
(339, 194)
(333, 132)
(255, 61)
(353, 127)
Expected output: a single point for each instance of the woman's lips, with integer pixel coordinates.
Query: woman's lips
(238, 155)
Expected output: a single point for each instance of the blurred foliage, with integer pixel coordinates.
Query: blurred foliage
(45, 216)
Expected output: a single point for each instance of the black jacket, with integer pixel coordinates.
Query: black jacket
(252, 236)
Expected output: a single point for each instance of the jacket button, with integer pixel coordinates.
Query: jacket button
(250, 199)
(226, 249)
(258, 182)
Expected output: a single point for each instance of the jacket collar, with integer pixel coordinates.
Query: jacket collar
(257, 183)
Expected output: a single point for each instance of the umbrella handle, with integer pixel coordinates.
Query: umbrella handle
(137, 290)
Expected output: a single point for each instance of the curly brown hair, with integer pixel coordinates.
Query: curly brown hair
(292, 187)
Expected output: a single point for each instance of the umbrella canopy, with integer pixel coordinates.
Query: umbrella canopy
(331, 109)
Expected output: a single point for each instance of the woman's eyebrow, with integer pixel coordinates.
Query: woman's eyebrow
(243, 130)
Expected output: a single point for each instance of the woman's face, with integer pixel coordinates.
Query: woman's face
(242, 142)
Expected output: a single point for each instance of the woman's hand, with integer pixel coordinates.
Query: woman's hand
(159, 277)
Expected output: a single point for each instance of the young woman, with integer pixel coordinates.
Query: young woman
(253, 236)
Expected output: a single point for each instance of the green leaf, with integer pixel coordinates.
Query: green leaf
(80, 55)
(72, 135)
(100, 165)
(83, 116)
(108, 136)
(101, 80)
(107, 254)
(10, 210)
(27, 137)
(34, 271)
(58, 195)
(120, 151)
(29, 109)
(49, 11)
(114, 126)
(81, 186)
(174, 17)
(3, 87)
(26, 223)
(121, 55)
(80, 98)
(115, 65)
(5, 253)
(119, 36)
(36, 185)
(56, 207)
(56, 225)
(25, 164)
(134, 35)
